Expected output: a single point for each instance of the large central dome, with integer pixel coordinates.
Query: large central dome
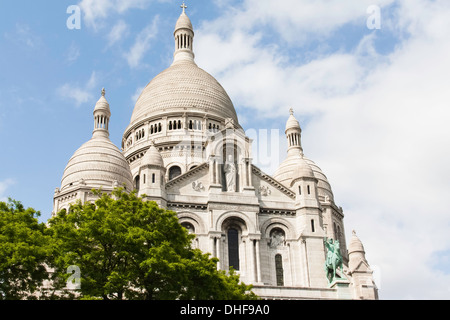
(178, 110)
(183, 87)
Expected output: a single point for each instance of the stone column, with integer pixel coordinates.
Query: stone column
(305, 264)
(212, 164)
(218, 251)
(258, 263)
(253, 260)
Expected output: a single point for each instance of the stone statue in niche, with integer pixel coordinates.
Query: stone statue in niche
(230, 174)
(276, 238)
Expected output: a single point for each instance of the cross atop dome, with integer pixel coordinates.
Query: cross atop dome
(184, 7)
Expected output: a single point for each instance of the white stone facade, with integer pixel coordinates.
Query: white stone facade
(184, 149)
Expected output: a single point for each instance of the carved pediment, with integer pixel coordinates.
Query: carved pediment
(267, 188)
(195, 181)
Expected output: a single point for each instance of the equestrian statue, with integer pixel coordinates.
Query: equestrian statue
(333, 259)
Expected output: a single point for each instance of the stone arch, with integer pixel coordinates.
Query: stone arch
(272, 223)
(280, 253)
(234, 144)
(235, 232)
(236, 216)
(194, 220)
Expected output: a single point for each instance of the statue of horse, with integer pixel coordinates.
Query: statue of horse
(334, 258)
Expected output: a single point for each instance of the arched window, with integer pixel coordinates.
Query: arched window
(233, 248)
(174, 172)
(279, 270)
(189, 227)
(153, 178)
(137, 183)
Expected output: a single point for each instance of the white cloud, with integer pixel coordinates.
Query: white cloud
(4, 185)
(73, 53)
(142, 43)
(79, 94)
(23, 35)
(294, 21)
(378, 124)
(96, 11)
(118, 32)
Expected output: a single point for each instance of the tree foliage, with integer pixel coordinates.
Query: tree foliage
(127, 248)
(24, 250)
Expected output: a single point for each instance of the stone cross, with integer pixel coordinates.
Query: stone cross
(184, 7)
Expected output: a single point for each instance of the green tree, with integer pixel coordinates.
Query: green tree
(127, 248)
(24, 249)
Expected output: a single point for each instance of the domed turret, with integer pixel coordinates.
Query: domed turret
(102, 113)
(360, 271)
(294, 166)
(297, 165)
(152, 157)
(302, 170)
(98, 162)
(151, 181)
(184, 38)
(355, 245)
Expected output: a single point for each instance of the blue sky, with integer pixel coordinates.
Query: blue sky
(373, 103)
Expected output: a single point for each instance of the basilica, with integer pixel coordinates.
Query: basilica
(185, 149)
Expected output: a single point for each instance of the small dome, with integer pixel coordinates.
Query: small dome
(97, 163)
(152, 157)
(102, 104)
(323, 186)
(292, 123)
(302, 169)
(355, 244)
(183, 22)
(295, 165)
